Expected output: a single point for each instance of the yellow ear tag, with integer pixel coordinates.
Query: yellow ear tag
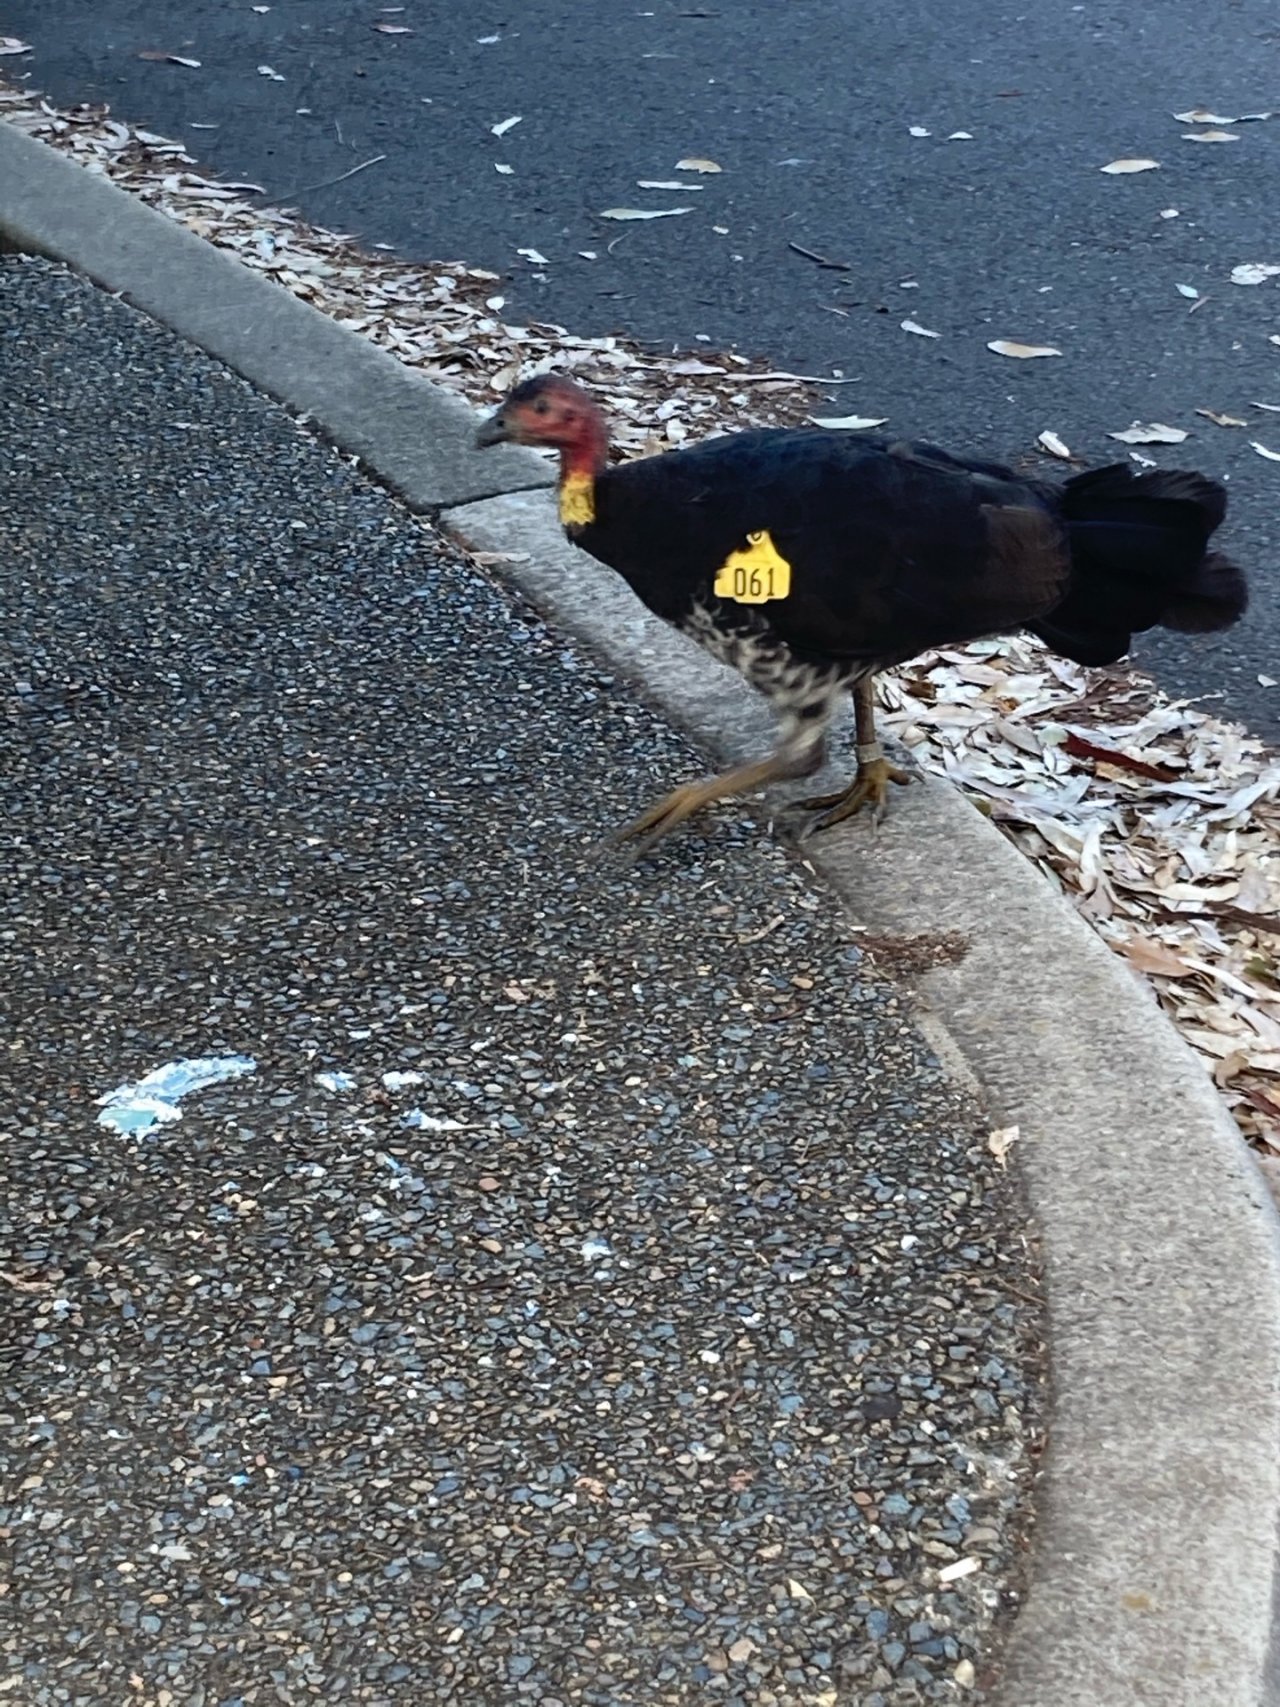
(755, 575)
(577, 500)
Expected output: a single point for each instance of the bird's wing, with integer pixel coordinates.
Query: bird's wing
(891, 548)
(895, 548)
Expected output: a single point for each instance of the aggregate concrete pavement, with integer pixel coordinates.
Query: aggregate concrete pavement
(595, 1290)
(1010, 231)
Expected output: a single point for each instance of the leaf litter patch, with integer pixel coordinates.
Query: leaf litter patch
(1157, 820)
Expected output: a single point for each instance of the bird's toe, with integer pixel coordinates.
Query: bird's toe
(646, 831)
(870, 788)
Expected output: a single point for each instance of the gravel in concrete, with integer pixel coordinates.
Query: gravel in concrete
(659, 1335)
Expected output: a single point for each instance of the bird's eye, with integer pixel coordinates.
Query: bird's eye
(540, 407)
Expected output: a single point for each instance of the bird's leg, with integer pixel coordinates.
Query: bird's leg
(799, 753)
(875, 773)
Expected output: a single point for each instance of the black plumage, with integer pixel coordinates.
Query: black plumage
(881, 550)
(892, 549)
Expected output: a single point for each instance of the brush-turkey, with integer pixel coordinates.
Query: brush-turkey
(810, 558)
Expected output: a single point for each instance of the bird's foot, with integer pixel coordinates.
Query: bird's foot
(870, 787)
(663, 816)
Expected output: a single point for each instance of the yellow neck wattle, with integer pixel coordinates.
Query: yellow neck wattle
(577, 499)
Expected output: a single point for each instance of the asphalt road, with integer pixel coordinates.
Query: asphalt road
(590, 1287)
(1011, 233)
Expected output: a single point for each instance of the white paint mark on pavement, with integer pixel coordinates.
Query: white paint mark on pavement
(402, 1081)
(335, 1081)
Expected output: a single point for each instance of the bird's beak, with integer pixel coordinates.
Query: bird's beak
(494, 431)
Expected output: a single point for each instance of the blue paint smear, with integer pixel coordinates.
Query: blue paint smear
(133, 1109)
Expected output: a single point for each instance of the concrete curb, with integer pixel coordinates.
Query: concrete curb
(1156, 1554)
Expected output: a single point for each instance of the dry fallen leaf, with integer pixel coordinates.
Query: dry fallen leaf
(960, 136)
(920, 331)
(1021, 352)
(1001, 1141)
(1168, 213)
(696, 164)
(500, 166)
(667, 184)
(1080, 747)
(1271, 408)
(917, 130)
(1226, 1069)
(1150, 433)
(1201, 115)
(643, 212)
(1120, 166)
(1187, 291)
(11, 44)
(533, 255)
(1210, 136)
(1155, 959)
(504, 126)
(393, 29)
(849, 423)
(170, 58)
(820, 260)
(781, 373)
(1053, 444)
(1254, 272)
(1271, 455)
(266, 71)
(959, 1568)
(1221, 420)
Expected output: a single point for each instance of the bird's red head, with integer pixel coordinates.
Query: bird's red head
(551, 411)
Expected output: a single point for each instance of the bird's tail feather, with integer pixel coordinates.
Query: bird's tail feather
(1140, 559)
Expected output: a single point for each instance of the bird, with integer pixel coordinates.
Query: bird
(810, 559)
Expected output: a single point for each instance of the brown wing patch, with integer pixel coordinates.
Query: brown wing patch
(1028, 563)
